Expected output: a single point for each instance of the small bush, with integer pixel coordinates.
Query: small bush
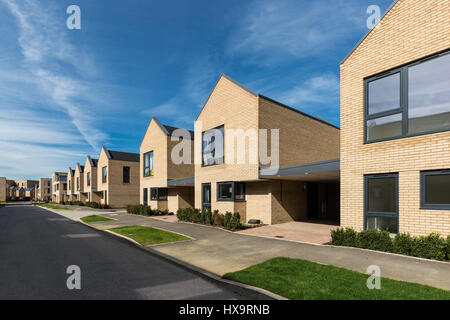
(448, 247)
(403, 244)
(219, 219)
(430, 247)
(343, 237)
(374, 240)
(227, 219)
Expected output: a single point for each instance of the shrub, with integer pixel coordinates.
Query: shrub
(374, 240)
(235, 222)
(403, 243)
(227, 219)
(343, 237)
(448, 247)
(430, 247)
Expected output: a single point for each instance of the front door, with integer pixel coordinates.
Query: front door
(312, 202)
(206, 195)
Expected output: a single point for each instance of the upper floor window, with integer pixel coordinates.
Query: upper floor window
(213, 146)
(435, 189)
(410, 100)
(78, 183)
(148, 164)
(126, 174)
(88, 178)
(104, 173)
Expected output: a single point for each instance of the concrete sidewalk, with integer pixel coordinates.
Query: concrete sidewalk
(219, 251)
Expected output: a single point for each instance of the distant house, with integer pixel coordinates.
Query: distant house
(118, 178)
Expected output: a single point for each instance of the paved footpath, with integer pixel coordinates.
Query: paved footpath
(219, 251)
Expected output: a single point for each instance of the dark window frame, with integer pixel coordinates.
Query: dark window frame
(126, 175)
(150, 169)
(366, 198)
(88, 179)
(403, 109)
(104, 174)
(223, 155)
(423, 204)
(158, 195)
(145, 196)
(233, 191)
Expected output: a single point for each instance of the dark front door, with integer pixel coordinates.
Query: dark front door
(206, 196)
(145, 196)
(312, 201)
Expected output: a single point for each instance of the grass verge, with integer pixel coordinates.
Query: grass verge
(148, 236)
(95, 218)
(51, 206)
(305, 280)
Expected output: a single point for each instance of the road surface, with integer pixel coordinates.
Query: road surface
(37, 247)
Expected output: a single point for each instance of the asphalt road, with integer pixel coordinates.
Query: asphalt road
(37, 246)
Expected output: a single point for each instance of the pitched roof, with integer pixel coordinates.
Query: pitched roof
(123, 156)
(171, 129)
(92, 161)
(368, 32)
(258, 95)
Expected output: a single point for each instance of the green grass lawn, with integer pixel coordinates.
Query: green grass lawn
(304, 280)
(51, 206)
(148, 235)
(95, 218)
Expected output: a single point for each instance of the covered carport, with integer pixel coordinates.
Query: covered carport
(180, 193)
(307, 192)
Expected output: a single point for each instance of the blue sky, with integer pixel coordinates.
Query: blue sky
(65, 93)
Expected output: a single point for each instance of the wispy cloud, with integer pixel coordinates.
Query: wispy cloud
(277, 31)
(48, 57)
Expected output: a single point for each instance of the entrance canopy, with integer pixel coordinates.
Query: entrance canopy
(182, 182)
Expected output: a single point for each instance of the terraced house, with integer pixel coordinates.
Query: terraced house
(395, 120)
(59, 186)
(263, 159)
(78, 179)
(3, 189)
(166, 179)
(118, 178)
(90, 180)
(44, 190)
(70, 195)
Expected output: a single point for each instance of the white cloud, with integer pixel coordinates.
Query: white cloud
(277, 31)
(46, 52)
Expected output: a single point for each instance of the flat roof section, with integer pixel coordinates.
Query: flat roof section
(320, 171)
(182, 182)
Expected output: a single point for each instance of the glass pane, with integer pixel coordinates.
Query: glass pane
(206, 194)
(162, 194)
(382, 195)
(154, 193)
(429, 95)
(239, 193)
(384, 127)
(225, 190)
(384, 94)
(383, 223)
(437, 189)
(213, 146)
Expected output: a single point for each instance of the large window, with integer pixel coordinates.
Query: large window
(148, 164)
(230, 191)
(410, 100)
(78, 183)
(126, 174)
(104, 174)
(381, 202)
(435, 189)
(88, 178)
(158, 193)
(213, 146)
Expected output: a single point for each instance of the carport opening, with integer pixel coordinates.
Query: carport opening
(323, 202)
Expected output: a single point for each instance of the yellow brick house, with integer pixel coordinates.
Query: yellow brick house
(395, 122)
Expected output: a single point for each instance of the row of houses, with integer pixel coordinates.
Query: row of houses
(17, 190)
(386, 167)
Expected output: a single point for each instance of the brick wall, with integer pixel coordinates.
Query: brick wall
(410, 30)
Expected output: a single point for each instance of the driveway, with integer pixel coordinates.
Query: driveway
(37, 246)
